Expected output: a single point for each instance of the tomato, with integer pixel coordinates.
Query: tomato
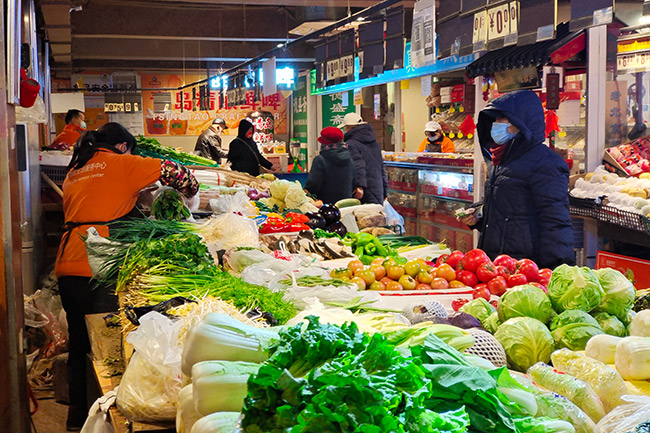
(494, 303)
(528, 268)
(480, 286)
(423, 287)
(439, 284)
(395, 272)
(504, 272)
(458, 302)
(467, 278)
(517, 280)
(539, 286)
(442, 259)
(454, 258)
(412, 268)
(355, 265)
(394, 285)
(385, 280)
(379, 271)
(377, 285)
(497, 286)
(472, 260)
(378, 261)
(341, 273)
(407, 282)
(424, 277)
(544, 276)
(446, 271)
(366, 275)
(455, 284)
(507, 261)
(486, 271)
(483, 292)
(361, 284)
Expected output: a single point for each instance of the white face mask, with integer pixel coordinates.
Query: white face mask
(82, 124)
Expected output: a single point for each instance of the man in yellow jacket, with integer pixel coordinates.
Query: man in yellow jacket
(435, 140)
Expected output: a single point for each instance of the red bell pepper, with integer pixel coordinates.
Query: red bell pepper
(296, 227)
(294, 217)
(274, 228)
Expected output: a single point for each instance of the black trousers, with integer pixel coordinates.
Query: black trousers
(81, 296)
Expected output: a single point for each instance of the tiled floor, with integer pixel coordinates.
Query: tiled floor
(50, 417)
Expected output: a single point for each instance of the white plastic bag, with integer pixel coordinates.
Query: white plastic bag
(626, 417)
(230, 230)
(99, 250)
(238, 204)
(98, 420)
(152, 381)
(393, 218)
(34, 115)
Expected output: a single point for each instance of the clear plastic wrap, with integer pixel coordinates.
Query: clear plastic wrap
(238, 204)
(572, 388)
(230, 230)
(605, 381)
(634, 411)
(151, 383)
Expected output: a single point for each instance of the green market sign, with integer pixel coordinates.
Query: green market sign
(336, 106)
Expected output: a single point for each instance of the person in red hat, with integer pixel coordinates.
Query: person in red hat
(333, 175)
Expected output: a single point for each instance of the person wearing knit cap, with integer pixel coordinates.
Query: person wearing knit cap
(332, 175)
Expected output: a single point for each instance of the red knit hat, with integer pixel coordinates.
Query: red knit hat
(330, 135)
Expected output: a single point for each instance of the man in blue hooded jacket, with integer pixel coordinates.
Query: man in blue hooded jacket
(526, 207)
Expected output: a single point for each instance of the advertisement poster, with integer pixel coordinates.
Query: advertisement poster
(300, 110)
(336, 106)
(172, 112)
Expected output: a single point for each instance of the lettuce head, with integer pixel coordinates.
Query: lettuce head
(525, 301)
(611, 325)
(619, 292)
(574, 288)
(526, 342)
(573, 328)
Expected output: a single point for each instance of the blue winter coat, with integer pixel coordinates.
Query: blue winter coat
(526, 205)
(366, 153)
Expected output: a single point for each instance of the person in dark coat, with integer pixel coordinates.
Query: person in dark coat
(372, 182)
(525, 212)
(208, 145)
(332, 174)
(244, 154)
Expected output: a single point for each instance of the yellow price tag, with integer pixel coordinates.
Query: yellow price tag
(461, 109)
(452, 109)
(437, 109)
(562, 134)
(460, 135)
(452, 135)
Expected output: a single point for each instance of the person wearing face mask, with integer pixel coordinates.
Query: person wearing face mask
(75, 125)
(101, 188)
(435, 140)
(525, 212)
(244, 154)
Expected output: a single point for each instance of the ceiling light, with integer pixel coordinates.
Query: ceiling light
(279, 45)
(361, 19)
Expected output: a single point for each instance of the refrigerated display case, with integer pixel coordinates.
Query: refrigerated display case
(427, 196)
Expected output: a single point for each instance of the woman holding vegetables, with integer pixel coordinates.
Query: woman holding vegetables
(102, 186)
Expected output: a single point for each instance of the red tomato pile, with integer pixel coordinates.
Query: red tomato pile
(475, 269)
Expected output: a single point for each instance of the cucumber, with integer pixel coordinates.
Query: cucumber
(347, 202)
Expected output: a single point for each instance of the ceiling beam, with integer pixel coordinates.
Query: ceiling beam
(179, 38)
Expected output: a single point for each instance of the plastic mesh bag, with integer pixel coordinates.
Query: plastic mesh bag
(152, 381)
(487, 347)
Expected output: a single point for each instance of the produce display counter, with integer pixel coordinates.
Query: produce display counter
(427, 195)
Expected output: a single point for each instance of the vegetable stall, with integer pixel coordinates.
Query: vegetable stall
(261, 310)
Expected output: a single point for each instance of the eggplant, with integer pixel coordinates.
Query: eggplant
(337, 228)
(316, 222)
(331, 213)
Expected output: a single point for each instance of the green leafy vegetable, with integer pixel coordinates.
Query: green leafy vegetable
(479, 308)
(574, 288)
(525, 301)
(526, 342)
(619, 292)
(169, 206)
(573, 328)
(149, 146)
(611, 325)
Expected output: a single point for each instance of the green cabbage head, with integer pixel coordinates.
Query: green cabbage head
(574, 288)
(619, 292)
(525, 301)
(526, 342)
(573, 328)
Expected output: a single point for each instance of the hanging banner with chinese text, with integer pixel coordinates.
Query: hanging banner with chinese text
(336, 106)
(300, 110)
(178, 112)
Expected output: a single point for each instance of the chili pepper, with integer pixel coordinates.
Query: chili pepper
(367, 260)
(359, 251)
(370, 249)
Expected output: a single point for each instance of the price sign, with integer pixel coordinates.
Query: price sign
(498, 22)
(113, 107)
(333, 69)
(635, 61)
(479, 33)
(346, 66)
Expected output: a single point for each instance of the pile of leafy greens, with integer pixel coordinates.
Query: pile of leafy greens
(328, 378)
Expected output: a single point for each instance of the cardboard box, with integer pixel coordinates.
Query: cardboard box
(612, 165)
(637, 270)
(280, 162)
